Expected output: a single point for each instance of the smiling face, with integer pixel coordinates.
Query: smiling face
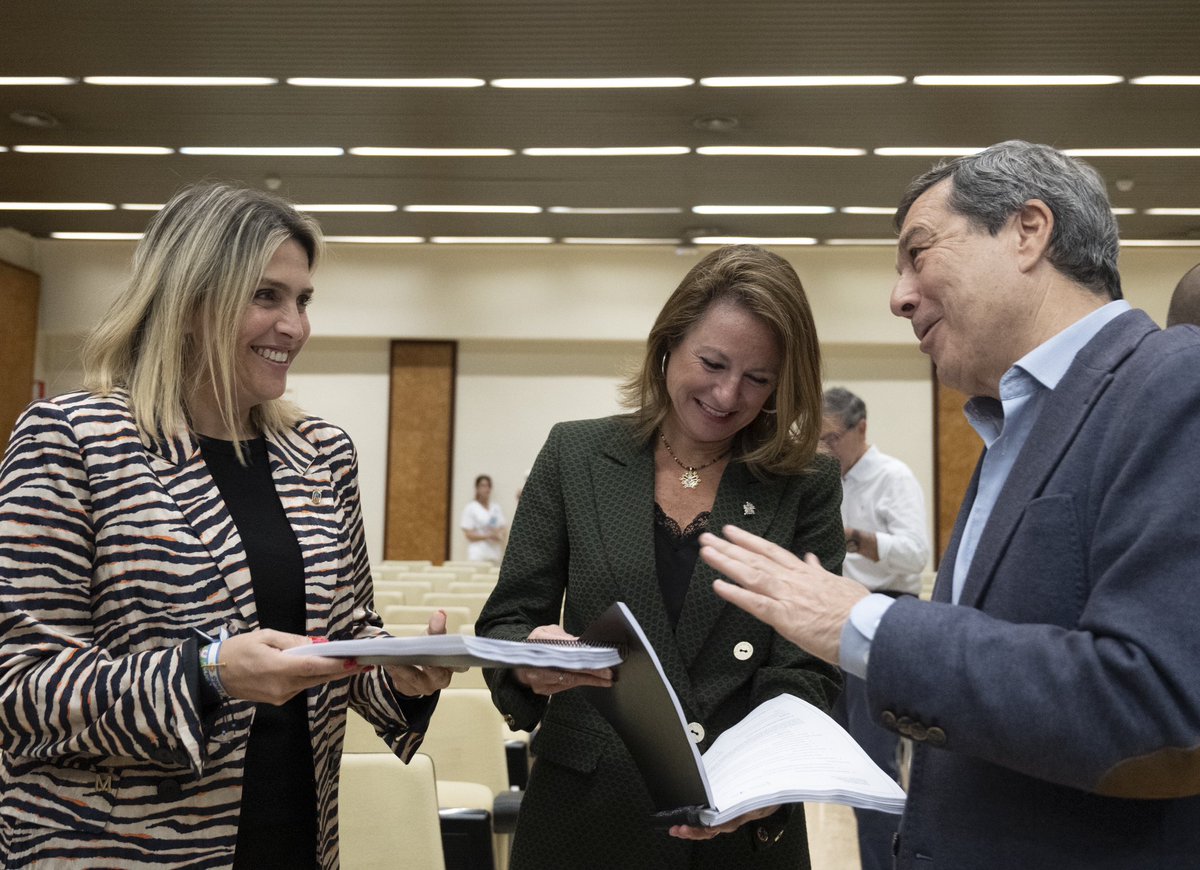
(958, 286)
(719, 377)
(273, 329)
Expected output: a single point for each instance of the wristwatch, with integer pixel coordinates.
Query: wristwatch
(852, 542)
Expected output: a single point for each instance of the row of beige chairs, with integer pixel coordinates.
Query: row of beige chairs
(467, 743)
(414, 593)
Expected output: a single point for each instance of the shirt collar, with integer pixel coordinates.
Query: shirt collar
(863, 465)
(1049, 361)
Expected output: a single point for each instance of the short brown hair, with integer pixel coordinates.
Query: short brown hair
(766, 285)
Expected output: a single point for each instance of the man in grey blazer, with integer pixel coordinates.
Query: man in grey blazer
(1052, 686)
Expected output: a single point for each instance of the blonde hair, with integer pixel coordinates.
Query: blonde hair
(194, 271)
(782, 440)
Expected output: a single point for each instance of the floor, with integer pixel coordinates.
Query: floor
(832, 837)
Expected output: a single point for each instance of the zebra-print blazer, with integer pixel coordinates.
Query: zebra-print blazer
(113, 556)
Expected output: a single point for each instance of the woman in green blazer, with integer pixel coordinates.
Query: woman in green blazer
(724, 428)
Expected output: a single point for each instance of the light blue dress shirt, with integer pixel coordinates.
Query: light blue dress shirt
(1004, 426)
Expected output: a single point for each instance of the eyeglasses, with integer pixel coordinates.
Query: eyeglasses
(831, 439)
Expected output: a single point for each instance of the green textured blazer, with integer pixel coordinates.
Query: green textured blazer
(582, 538)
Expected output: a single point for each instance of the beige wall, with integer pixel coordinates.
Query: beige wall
(545, 334)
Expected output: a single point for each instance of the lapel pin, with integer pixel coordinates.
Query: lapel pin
(748, 509)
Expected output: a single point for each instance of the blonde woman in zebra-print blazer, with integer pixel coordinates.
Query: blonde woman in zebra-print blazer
(130, 543)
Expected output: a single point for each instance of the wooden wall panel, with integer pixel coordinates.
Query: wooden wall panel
(420, 450)
(19, 291)
(955, 455)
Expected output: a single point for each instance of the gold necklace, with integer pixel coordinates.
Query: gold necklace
(691, 473)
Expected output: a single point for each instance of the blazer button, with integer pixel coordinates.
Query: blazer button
(696, 730)
(904, 726)
(170, 789)
(762, 834)
(316, 498)
(888, 718)
(935, 736)
(918, 731)
(743, 650)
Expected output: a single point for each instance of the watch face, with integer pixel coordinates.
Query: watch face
(852, 546)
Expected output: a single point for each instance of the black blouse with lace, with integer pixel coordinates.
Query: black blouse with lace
(675, 554)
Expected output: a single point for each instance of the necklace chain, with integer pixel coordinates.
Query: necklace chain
(690, 479)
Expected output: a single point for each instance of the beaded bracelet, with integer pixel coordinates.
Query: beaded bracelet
(210, 667)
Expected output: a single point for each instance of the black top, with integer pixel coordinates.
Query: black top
(278, 824)
(675, 554)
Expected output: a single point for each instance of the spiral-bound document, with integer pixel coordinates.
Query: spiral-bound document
(468, 651)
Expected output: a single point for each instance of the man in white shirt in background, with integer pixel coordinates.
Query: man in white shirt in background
(887, 546)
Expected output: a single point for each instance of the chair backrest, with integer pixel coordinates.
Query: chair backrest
(473, 564)
(405, 629)
(388, 813)
(385, 596)
(473, 601)
(413, 589)
(456, 617)
(459, 586)
(392, 566)
(466, 739)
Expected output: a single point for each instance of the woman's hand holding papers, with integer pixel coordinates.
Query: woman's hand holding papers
(688, 832)
(418, 681)
(551, 681)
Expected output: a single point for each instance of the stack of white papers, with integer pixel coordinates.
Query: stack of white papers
(788, 751)
(466, 651)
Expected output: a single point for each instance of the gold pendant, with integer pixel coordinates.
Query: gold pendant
(690, 479)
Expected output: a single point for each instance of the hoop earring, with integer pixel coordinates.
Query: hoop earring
(663, 366)
(771, 411)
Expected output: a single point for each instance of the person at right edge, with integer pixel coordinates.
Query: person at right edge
(883, 510)
(725, 426)
(1052, 686)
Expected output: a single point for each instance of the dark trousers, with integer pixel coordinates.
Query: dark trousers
(875, 830)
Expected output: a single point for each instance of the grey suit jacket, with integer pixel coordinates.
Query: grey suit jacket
(1056, 708)
(584, 531)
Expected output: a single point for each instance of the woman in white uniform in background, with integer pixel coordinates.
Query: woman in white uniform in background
(484, 524)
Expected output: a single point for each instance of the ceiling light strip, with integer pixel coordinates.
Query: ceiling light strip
(779, 151)
(1171, 211)
(763, 209)
(143, 150)
(1166, 80)
(1160, 243)
(35, 81)
(754, 240)
(644, 82)
(315, 208)
(928, 151)
(326, 82)
(620, 151)
(376, 240)
(492, 240)
(182, 81)
(57, 206)
(1132, 152)
(476, 209)
(222, 151)
(799, 81)
(564, 209)
(1016, 80)
(371, 151)
(579, 240)
(98, 237)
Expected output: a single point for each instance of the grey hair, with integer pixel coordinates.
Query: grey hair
(993, 185)
(845, 406)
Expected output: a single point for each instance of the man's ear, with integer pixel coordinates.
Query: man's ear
(1034, 223)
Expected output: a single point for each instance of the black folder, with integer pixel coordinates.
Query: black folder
(643, 709)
